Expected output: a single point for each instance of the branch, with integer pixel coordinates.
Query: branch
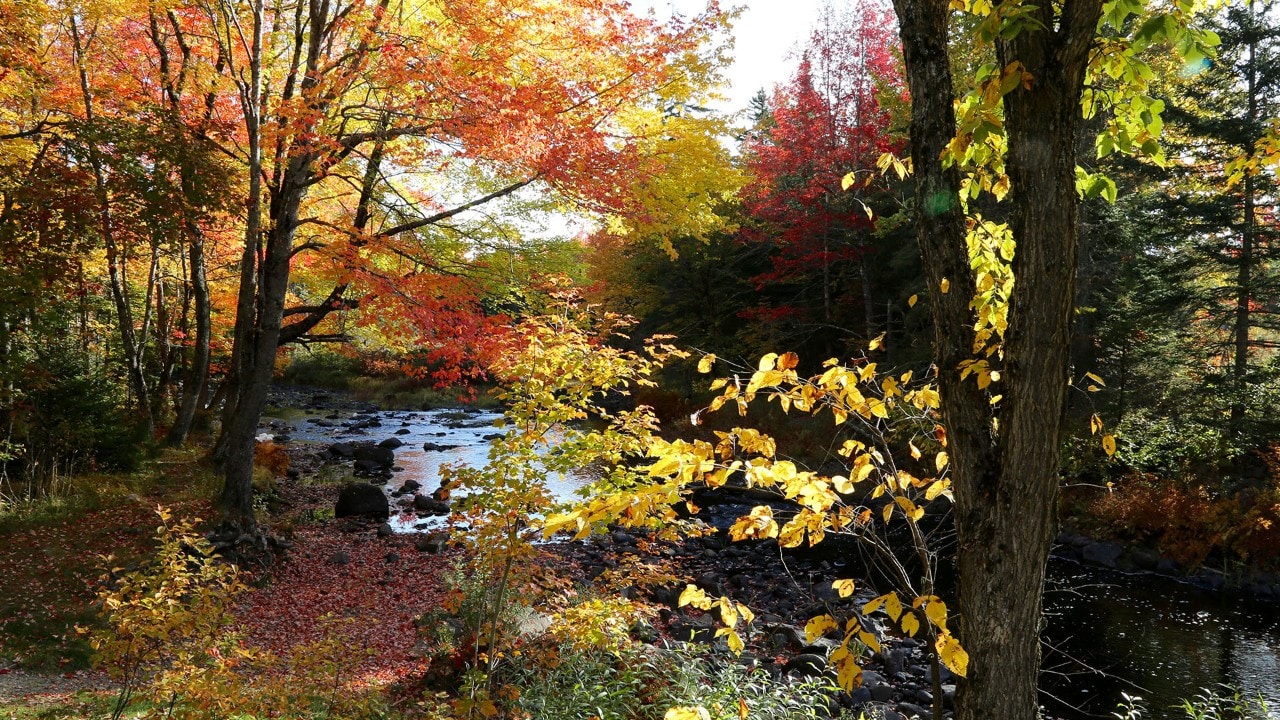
(445, 215)
(294, 332)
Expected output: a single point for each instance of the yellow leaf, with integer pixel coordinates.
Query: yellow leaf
(946, 286)
(874, 604)
(940, 460)
(911, 301)
(768, 362)
(687, 713)
(704, 365)
(893, 606)
(1095, 378)
(748, 617)
(1109, 444)
(693, 595)
(848, 674)
(936, 611)
(888, 511)
(847, 181)
(952, 654)
(910, 624)
(878, 408)
(792, 534)
(743, 711)
(841, 484)
(870, 640)
(915, 451)
(938, 487)
(736, 645)
(819, 626)
(844, 587)
(876, 342)
(1095, 424)
(728, 613)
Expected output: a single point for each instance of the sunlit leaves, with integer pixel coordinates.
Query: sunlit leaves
(1109, 445)
(819, 626)
(843, 587)
(758, 525)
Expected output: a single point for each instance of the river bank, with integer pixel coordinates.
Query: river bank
(787, 588)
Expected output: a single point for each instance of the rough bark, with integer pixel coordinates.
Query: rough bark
(1006, 480)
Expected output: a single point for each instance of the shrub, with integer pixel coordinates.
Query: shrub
(642, 682)
(68, 418)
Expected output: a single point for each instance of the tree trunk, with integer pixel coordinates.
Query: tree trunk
(132, 345)
(1244, 281)
(1006, 474)
(247, 390)
(198, 372)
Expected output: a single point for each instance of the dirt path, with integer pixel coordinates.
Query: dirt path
(41, 688)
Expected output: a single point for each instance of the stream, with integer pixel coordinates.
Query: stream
(1154, 637)
(1107, 633)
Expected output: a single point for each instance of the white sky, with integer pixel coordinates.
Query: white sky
(765, 34)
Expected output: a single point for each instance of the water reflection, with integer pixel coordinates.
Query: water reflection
(1149, 636)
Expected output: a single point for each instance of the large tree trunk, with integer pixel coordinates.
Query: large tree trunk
(248, 391)
(1005, 474)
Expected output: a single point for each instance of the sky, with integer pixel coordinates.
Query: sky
(765, 34)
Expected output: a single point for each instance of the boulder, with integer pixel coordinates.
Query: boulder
(1104, 553)
(362, 500)
(391, 443)
(342, 449)
(430, 506)
(806, 664)
(374, 454)
(433, 543)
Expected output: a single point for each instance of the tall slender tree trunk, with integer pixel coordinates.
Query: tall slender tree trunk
(198, 370)
(1244, 279)
(247, 392)
(132, 345)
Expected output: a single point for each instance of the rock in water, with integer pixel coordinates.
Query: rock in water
(362, 500)
(381, 456)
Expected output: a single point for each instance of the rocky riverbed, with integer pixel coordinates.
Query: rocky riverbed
(397, 456)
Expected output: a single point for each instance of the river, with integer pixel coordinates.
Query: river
(1151, 636)
(1108, 633)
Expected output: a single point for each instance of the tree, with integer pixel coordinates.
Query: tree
(826, 123)
(1005, 455)
(487, 96)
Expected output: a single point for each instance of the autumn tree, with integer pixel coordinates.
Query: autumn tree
(826, 123)
(460, 99)
(1005, 454)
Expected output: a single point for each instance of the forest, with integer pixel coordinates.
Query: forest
(453, 359)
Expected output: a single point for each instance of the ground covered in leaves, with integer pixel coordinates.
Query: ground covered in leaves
(338, 580)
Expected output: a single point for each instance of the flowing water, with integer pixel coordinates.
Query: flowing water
(1108, 633)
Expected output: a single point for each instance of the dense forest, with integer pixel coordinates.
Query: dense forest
(980, 284)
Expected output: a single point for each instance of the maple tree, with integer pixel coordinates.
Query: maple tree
(827, 122)
(484, 96)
